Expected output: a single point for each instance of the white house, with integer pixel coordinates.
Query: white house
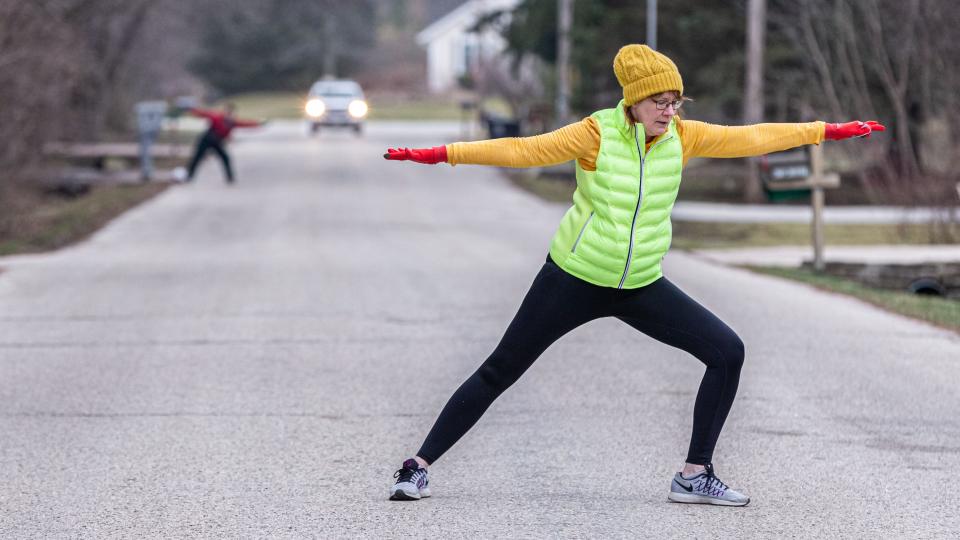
(452, 51)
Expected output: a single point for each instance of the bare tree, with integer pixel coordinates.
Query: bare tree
(894, 60)
(72, 68)
(520, 84)
(38, 67)
(106, 31)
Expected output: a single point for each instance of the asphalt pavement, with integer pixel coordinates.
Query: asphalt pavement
(256, 361)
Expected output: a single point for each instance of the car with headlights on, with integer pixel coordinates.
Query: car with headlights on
(336, 102)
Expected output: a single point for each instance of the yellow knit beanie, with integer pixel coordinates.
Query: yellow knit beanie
(643, 72)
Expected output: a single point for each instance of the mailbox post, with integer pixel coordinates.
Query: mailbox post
(149, 121)
(802, 169)
(468, 108)
(816, 203)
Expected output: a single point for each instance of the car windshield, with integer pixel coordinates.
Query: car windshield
(336, 89)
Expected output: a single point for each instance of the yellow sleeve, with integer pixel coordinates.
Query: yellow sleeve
(701, 139)
(580, 140)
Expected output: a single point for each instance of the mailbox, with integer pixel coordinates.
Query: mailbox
(799, 173)
(785, 170)
(793, 170)
(150, 115)
(149, 122)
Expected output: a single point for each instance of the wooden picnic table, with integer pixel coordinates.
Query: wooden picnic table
(124, 150)
(88, 164)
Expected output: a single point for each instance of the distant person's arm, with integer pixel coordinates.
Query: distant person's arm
(249, 123)
(203, 113)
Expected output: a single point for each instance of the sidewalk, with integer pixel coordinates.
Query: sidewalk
(796, 255)
(755, 213)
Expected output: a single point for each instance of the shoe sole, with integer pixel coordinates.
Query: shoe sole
(401, 495)
(700, 499)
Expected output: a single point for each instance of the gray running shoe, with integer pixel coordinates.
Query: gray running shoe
(412, 482)
(705, 488)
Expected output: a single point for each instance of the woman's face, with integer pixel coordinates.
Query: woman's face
(655, 121)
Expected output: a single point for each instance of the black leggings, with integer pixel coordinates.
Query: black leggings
(209, 141)
(559, 302)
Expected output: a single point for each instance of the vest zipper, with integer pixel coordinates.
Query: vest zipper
(643, 159)
(582, 229)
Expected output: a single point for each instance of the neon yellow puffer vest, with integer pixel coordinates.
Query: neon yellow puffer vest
(618, 229)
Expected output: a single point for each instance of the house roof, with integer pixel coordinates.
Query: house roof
(437, 9)
(462, 18)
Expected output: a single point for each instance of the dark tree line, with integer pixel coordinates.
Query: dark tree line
(898, 60)
(704, 37)
(893, 60)
(281, 44)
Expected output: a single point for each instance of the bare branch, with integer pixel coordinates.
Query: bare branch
(819, 58)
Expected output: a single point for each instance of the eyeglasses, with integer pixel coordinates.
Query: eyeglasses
(663, 104)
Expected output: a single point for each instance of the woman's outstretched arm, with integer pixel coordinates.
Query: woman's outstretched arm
(701, 139)
(574, 141)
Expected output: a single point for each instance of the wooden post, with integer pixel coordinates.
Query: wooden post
(564, 22)
(817, 202)
(652, 24)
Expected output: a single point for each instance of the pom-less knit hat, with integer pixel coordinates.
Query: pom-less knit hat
(643, 72)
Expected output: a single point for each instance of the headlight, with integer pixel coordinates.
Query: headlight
(357, 108)
(315, 107)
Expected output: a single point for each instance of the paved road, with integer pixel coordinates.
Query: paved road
(254, 361)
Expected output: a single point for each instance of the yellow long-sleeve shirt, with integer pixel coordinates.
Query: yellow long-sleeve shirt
(581, 141)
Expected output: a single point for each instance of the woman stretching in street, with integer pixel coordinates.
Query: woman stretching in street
(604, 260)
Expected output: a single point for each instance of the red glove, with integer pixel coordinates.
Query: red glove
(835, 132)
(430, 156)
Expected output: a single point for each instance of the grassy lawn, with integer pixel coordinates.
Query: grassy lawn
(939, 311)
(551, 189)
(47, 221)
(268, 104)
(289, 105)
(392, 108)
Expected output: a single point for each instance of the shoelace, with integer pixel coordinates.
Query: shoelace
(405, 475)
(713, 483)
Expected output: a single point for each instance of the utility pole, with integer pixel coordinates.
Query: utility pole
(652, 24)
(329, 47)
(753, 87)
(564, 22)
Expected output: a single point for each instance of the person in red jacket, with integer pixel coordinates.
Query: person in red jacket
(221, 124)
